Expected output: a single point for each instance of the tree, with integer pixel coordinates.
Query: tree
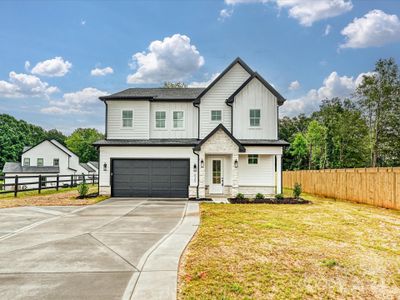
(316, 141)
(54, 134)
(379, 100)
(178, 84)
(81, 142)
(299, 150)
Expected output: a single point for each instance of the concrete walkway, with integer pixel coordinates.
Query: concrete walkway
(117, 249)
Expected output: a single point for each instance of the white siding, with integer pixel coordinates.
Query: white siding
(262, 174)
(255, 96)
(140, 129)
(106, 153)
(190, 120)
(215, 99)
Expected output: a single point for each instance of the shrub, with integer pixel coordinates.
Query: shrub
(297, 190)
(279, 196)
(83, 190)
(240, 196)
(259, 196)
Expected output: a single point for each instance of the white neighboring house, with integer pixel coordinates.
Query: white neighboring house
(49, 158)
(193, 142)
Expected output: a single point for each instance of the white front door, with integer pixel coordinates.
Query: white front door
(217, 179)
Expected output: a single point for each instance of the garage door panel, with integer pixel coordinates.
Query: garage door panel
(150, 178)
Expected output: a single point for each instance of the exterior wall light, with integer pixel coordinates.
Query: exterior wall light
(202, 163)
(194, 168)
(236, 163)
(105, 167)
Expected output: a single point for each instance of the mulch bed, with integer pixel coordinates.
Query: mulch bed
(269, 201)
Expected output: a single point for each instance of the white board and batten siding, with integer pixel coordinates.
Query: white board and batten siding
(255, 96)
(140, 129)
(190, 120)
(215, 99)
(261, 174)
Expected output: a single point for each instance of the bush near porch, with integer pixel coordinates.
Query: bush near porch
(327, 250)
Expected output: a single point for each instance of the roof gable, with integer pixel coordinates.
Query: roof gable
(239, 61)
(255, 75)
(226, 131)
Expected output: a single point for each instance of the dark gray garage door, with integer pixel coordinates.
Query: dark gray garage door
(150, 178)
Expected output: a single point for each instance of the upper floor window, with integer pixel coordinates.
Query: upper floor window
(127, 118)
(27, 162)
(178, 119)
(255, 116)
(160, 119)
(216, 115)
(56, 162)
(39, 162)
(252, 159)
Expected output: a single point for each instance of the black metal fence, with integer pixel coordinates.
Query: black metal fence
(24, 183)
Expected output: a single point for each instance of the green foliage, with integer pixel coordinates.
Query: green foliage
(239, 196)
(299, 151)
(54, 134)
(259, 196)
(297, 190)
(316, 141)
(80, 142)
(178, 84)
(279, 196)
(83, 189)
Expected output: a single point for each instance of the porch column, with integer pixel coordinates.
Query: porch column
(278, 173)
(235, 175)
(202, 175)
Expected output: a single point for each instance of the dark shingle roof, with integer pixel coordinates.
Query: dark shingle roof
(264, 142)
(15, 167)
(86, 167)
(155, 94)
(149, 142)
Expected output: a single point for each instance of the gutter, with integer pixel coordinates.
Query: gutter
(198, 173)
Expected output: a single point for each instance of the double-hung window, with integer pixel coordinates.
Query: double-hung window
(160, 119)
(178, 119)
(27, 162)
(127, 118)
(39, 162)
(255, 116)
(56, 162)
(252, 159)
(216, 115)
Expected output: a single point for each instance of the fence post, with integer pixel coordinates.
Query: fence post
(16, 186)
(58, 181)
(40, 184)
(72, 181)
(92, 179)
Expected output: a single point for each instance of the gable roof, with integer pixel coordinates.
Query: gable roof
(53, 142)
(86, 167)
(94, 164)
(220, 126)
(237, 60)
(16, 167)
(280, 98)
(154, 94)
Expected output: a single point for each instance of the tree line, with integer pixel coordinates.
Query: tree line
(15, 134)
(360, 131)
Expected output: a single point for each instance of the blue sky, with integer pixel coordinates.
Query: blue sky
(58, 57)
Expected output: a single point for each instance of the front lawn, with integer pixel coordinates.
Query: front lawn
(49, 197)
(325, 250)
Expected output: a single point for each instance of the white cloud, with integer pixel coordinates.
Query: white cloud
(333, 86)
(225, 13)
(24, 85)
(83, 22)
(374, 29)
(204, 83)
(306, 11)
(101, 72)
(172, 59)
(76, 103)
(328, 29)
(294, 85)
(55, 67)
(27, 65)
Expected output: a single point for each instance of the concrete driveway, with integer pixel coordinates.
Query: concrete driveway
(117, 249)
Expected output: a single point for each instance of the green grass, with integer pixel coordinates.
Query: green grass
(326, 250)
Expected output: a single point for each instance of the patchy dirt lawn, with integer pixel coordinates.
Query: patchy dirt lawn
(325, 250)
(64, 197)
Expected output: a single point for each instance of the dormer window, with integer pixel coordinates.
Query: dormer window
(127, 118)
(27, 162)
(255, 116)
(216, 115)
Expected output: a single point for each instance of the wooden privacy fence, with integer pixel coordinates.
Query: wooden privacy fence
(15, 184)
(375, 186)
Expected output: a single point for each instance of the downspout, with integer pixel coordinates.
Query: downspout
(231, 106)
(106, 120)
(198, 119)
(198, 173)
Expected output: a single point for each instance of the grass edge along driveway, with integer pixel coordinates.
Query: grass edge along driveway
(327, 250)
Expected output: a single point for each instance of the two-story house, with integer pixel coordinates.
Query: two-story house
(193, 142)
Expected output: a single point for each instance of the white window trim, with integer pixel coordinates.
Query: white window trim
(183, 120)
(155, 120)
(37, 161)
(122, 119)
(29, 162)
(216, 121)
(254, 127)
(58, 162)
(258, 160)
